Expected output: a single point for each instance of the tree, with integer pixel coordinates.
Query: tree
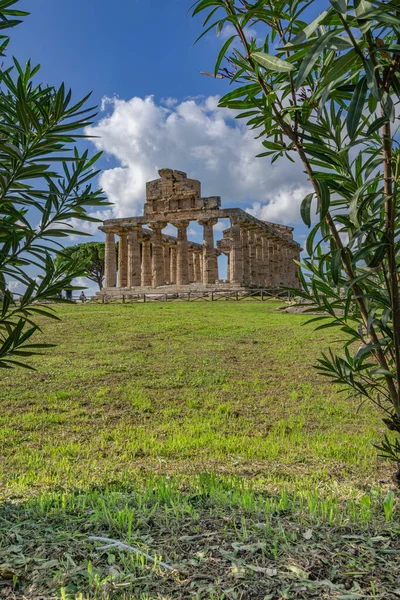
(325, 91)
(92, 255)
(44, 182)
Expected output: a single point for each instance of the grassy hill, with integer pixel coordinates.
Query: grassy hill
(200, 432)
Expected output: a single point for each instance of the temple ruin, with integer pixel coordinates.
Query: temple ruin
(260, 254)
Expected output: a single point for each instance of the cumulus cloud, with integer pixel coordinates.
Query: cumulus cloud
(197, 137)
(283, 206)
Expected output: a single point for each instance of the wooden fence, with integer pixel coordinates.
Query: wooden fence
(205, 296)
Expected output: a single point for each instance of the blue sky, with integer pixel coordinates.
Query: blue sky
(157, 110)
(128, 47)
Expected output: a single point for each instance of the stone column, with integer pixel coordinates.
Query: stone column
(190, 266)
(123, 259)
(110, 261)
(259, 271)
(281, 263)
(209, 254)
(215, 265)
(287, 266)
(172, 271)
(197, 266)
(146, 263)
(167, 265)
(235, 272)
(252, 258)
(134, 257)
(244, 242)
(157, 265)
(274, 263)
(265, 258)
(293, 280)
(182, 270)
(296, 277)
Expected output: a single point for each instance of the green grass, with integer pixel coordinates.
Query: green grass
(155, 423)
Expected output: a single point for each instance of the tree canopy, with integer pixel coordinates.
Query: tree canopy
(91, 254)
(324, 90)
(45, 181)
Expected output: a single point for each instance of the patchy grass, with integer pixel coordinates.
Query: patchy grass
(199, 432)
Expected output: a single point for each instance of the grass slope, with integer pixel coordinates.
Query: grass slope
(114, 435)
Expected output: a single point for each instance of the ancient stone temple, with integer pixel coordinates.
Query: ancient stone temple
(260, 254)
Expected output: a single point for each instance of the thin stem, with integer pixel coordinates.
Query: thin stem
(390, 218)
(347, 265)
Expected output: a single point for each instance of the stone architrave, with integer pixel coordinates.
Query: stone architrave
(182, 269)
(172, 271)
(110, 261)
(123, 259)
(209, 254)
(157, 265)
(146, 263)
(167, 265)
(134, 257)
(235, 271)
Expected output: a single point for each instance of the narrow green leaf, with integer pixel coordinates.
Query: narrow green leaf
(272, 63)
(336, 263)
(376, 125)
(356, 107)
(305, 209)
(370, 73)
(347, 62)
(312, 56)
(307, 31)
(340, 6)
(222, 54)
(325, 199)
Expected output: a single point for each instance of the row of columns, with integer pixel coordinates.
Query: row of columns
(255, 258)
(151, 262)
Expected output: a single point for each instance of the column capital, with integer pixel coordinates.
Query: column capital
(158, 225)
(180, 224)
(212, 221)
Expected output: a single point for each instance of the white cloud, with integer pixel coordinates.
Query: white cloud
(15, 287)
(283, 206)
(197, 137)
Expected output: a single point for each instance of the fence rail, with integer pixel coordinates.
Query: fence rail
(206, 296)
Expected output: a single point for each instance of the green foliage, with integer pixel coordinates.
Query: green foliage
(44, 182)
(92, 255)
(326, 93)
